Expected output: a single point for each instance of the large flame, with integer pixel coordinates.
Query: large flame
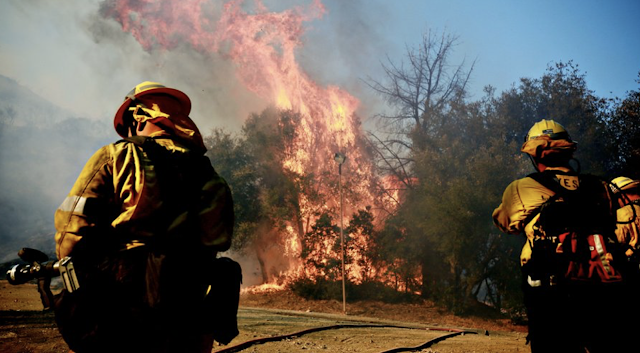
(262, 45)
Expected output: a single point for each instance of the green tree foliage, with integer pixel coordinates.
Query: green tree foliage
(401, 257)
(324, 234)
(461, 177)
(419, 144)
(233, 162)
(267, 137)
(265, 194)
(624, 128)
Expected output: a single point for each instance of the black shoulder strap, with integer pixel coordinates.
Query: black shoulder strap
(149, 145)
(137, 140)
(549, 181)
(592, 202)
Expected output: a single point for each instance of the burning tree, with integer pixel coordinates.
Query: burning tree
(290, 240)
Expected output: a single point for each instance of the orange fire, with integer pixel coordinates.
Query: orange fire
(262, 46)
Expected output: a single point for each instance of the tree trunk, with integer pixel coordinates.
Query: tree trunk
(263, 270)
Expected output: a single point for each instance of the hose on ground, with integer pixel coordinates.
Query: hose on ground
(244, 345)
(427, 344)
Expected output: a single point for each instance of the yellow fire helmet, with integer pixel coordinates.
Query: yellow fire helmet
(547, 135)
(140, 104)
(623, 183)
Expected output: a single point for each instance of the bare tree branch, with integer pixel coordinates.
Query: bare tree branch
(421, 91)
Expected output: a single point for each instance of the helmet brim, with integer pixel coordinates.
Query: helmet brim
(626, 184)
(118, 121)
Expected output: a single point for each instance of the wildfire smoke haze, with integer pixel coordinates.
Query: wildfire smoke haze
(262, 47)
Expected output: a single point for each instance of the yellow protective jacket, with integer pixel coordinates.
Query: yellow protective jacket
(118, 192)
(520, 200)
(628, 218)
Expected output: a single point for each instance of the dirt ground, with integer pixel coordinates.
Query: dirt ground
(283, 317)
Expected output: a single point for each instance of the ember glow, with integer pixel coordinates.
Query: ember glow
(262, 45)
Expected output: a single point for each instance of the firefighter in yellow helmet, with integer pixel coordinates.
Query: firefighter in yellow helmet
(550, 148)
(143, 224)
(627, 195)
(557, 318)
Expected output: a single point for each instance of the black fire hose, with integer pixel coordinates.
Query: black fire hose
(427, 344)
(247, 344)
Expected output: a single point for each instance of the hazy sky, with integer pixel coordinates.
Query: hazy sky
(67, 53)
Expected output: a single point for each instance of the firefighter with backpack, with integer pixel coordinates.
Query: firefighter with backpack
(627, 197)
(570, 261)
(143, 224)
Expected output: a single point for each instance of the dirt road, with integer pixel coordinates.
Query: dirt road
(25, 328)
(361, 334)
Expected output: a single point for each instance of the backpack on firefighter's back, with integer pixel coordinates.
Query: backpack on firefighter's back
(574, 237)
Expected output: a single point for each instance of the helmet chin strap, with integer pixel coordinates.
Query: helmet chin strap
(536, 165)
(578, 168)
(533, 161)
(135, 127)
